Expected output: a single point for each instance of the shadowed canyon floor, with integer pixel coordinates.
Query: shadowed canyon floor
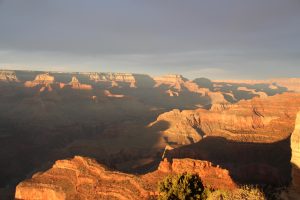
(127, 122)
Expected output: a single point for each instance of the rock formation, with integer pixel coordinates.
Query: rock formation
(293, 192)
(120, 77)
(8, 76)
(292, 84)
(258, 120)
(260, 94)
(75, 84)
(41, 79)
(295, 146)
(172, 93)
(172, 80)
(114, 78)
(183, 127)
(214, 176)
(81, 178)
(95, 77)
(109, 94)
(84, 178)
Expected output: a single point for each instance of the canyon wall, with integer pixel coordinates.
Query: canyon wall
(295, 160)
(263, 120)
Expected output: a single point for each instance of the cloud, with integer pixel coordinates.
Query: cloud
(249, 38)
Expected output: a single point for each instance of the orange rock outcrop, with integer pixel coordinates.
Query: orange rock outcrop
(84, 178)
(81, 178)
(8, 76)
(41, 79)
(212, 176)
(75, 84)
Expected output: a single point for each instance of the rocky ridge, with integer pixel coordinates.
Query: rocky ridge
(292, 84)
(84, 178)
(258, 120)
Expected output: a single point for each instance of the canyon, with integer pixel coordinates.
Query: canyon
(131, 130)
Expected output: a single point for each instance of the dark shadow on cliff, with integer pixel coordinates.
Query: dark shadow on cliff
(248, 163)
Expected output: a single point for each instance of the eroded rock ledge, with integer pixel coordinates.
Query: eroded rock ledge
(84, 178)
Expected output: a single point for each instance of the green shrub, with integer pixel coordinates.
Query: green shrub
(182, 187)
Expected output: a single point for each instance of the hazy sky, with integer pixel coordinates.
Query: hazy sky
(211, 38)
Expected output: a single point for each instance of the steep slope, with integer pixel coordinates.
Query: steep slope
(295, 160)
(250, 138)
(293, 192)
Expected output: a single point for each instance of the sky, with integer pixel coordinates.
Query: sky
(217, 39)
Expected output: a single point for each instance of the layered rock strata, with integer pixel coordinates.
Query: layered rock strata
(84, 178)
(41, 79)
(258, 120)
(81, 178)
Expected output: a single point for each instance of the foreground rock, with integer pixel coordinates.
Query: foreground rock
(295, 146)
(84, 178)
(293, 192)
(81, 178)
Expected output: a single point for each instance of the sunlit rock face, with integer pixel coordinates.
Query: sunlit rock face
(83, 178)
(75, 84)
(292, 84)
(41, 79)
(262, 120)
(170, 79)
(211, 175)
(121, 77)
(8, 76)
(295, 146)
(109, 94)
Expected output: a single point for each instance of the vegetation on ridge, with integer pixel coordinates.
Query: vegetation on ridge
(181, 186)
(188, 186)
